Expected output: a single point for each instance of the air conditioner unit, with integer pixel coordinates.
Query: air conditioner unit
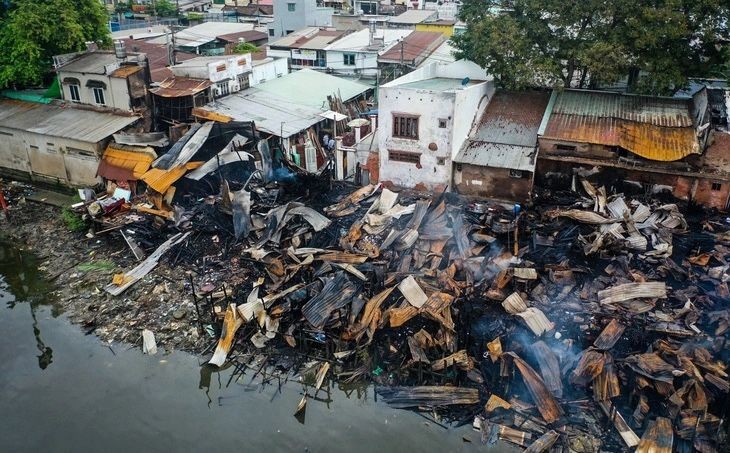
(236, 87)
(217, 91)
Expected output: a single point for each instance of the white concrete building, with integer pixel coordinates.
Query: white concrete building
(356, 54)
(293, 15)
(228, 73)
(267, 69)
(424, 118)
(102, 79)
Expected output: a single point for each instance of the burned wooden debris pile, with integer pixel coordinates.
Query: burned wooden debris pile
(593, 324)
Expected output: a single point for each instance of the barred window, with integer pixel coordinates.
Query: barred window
(404, 156)
(405, 126)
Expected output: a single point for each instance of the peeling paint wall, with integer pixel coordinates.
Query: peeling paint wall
(50, 159)
(435, 145)
(435, 165)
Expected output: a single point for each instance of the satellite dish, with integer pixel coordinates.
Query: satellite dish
(465, 81)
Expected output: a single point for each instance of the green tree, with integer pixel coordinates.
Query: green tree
(165, 8)
(657, 44)
(245, 47)
(32, 32)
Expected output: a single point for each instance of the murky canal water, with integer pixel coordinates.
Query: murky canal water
(61, 390)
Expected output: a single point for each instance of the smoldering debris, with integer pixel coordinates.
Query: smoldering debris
(595, 325)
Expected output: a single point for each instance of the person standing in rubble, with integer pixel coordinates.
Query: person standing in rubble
(328, 143)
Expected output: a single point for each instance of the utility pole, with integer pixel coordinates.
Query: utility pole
(402, 43)
(173, 60)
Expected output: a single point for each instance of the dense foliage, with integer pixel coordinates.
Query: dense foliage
(654, 45)
(32, 32)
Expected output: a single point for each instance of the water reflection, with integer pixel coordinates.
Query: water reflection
(20, 278)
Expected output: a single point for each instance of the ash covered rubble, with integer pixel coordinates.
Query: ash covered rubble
(587, 323)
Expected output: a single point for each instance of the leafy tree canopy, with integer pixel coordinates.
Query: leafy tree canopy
(165, 8)
(245, 47)
(32, 32)
(656, 44)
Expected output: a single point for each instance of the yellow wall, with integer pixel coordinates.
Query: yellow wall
(446, 30)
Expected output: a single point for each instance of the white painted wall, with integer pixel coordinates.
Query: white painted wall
(268, 71)
(366, 62)
(116, 93)
(460, 108)
(430, 107)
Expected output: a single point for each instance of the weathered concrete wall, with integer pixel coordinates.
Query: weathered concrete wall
(435, 165)
(493, 183)
(468, 103)
(268, 71)
(707, 196)
(50, 159)
(116, 93)
(366, 62)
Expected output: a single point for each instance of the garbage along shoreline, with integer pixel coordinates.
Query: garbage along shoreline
(587, 322)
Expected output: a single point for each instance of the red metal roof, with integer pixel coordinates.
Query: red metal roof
(415, 47)
(156, 57)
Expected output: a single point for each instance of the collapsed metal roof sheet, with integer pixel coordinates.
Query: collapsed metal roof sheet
(497, 155)
(66, 122)
(180, 86)
(654, 128)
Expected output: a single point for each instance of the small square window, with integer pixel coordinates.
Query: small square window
(442, 124)
(716, 186)
(349, 59)
(271, 32)
(291, 7)
(441, 161)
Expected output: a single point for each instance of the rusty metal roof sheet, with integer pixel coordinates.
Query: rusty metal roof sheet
(309, 38)
(512, 118)
(651, 127)
(135, 160)
(416, 47)
(506, 135)
(180, 86)
(125, 71)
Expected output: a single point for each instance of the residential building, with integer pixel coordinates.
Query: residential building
(158, 57)
(305, 48)
(267, 69)
(104, 79)
(423, 120)
(49, 143)
(356, 54)
(445, 53)
(445, 27)
(206, 38)
(630, 142)
(498, 159)
(293, 15)
(408, 53)
(292, 110)
(175, 98)
(411, 18)
(228, 74)
(254, 37)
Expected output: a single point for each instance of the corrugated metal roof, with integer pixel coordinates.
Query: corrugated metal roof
(657, 111)
(512, 118)
(161, 180)
(654, 128)
(90, 63)
(271, 114)
(67, 122)
(206, 32)
(311, 88)
(135, 159)
(416, 47)
(174, 87)
(506, 135)
(360, 40)
(308, 38)
(414, 16)
(125, 71)
(497, 155)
